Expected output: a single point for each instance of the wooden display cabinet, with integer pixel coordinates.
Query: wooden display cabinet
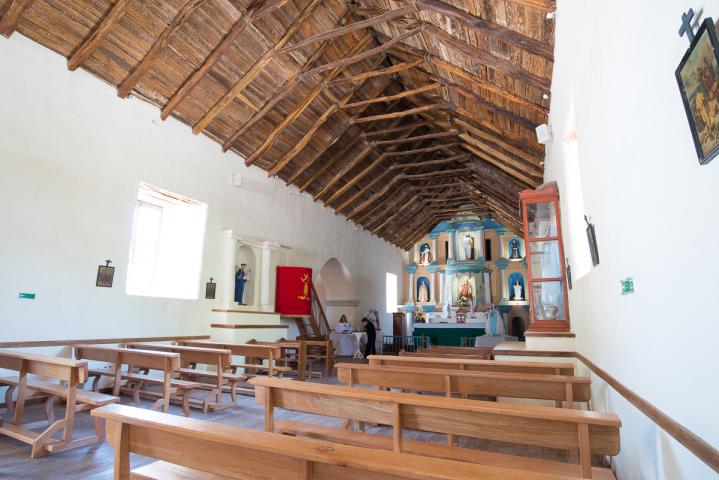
(547, 276)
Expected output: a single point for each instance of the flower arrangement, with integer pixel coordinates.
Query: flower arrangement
(419, 317)
(464, 301)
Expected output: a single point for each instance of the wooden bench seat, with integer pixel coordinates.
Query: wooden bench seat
(279, 370)
(579, 433)
(426, 449)
(169, 471)
(471, 364)
(238, 453)
(71, 374)
(560, 388)
(252, 353)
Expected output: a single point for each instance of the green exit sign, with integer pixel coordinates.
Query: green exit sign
(27, 296)
(627, 286)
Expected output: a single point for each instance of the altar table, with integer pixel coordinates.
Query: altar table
(449, 334)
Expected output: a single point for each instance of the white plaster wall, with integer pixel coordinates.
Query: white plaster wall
(655, 210)
(72, 154)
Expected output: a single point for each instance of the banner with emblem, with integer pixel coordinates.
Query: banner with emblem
(294, 291)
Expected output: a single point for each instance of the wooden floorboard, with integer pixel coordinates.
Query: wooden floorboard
(96, 463)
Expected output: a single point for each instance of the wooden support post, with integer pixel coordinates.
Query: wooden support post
(166, 391)
(269, 410)
(397, 428)
(585, 451)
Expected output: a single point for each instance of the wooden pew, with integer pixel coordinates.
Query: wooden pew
(192, 449)
(304, 354)
(190, 357)
(496, 384)
(478, 353)
(585, 433)
(165, 362)
(250, 352)
(73, 373)
(470, 364)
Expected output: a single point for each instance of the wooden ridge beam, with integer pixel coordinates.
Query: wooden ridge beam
(498, 141)
(286, 87)
(254, 13)
(378, 73)
(401, 128)
(490, 29)
(97, 35)
(337, 32)
(13, 14)
(256, 68)
(404, 113)
(343, 62)
(427, 163)
(126, 86)
(427, 136)
(300, 108)
(390, 98)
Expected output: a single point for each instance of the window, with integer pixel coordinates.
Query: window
(166, 248)
(488, 249)
(391, 293)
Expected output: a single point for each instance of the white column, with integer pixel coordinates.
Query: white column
(227, 282)
(431, 287)
(434, 248)
(487, 289)
(410, 297)
(265, 261)
(440, 294)
(416, 253)
(450, 252)
(480, 243)
(505, 289)
(502, 247)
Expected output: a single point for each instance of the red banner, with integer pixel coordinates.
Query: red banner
(293, 295)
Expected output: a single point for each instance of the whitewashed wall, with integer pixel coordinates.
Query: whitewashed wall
(71, 156)
(655, 211)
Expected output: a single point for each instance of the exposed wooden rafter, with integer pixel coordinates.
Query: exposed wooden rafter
(9, 21)
(97, 35)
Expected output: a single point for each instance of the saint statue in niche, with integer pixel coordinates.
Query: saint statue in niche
(468, 243)
(517, 291)
(424, 256)
(465, 293)
(423, 295)
(242, 275)
(514, 249)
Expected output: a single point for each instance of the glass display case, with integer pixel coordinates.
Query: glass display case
(547, 285)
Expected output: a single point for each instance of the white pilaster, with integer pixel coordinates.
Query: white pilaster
(265, 262)
(434, 248)
(432, 298)
(410, 297)
(502, 246)
(487, 289)
(450, 250)
(505, 288)
(227, 282)
(480, 243)
(440, 294)
(416, 253)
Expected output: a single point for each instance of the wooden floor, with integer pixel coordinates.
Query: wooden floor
(97, 463)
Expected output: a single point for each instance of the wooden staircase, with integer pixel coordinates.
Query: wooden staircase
(308, 325)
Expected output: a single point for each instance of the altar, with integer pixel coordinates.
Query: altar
(449, 334)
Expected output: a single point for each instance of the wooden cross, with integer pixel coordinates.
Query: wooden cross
(687, 25)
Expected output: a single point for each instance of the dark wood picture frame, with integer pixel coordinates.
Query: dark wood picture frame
(210, 290)
(592, 240)
(707, 32)
(105, 276)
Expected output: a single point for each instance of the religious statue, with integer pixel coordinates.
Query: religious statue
(465, 294)
(424, 256)
(517, 291)
(468, 243)
(514, 247)
(423, 294)
(242, 275)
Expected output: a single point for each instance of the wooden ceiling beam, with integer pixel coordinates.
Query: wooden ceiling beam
(338, 32)
(531, 178)
(253, 13)
(427, 136)
(416, 151)
(365, 188)
(341, 154)
(533, 145)
(435, 174)
(97, 35)
(428, 163)
(300, 108)
(256, 68)
(391, 98)
(126, 86)
(498, 141)
(400, 67)
(343, 62)
(13, 14)
(389, 219)
(363, 206)
(405, 113)
(401, 128)
(286, 87)
(353, 162)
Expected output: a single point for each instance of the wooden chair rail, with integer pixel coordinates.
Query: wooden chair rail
(473, 365)
(559, 388)
(231, 452)
(97, 341)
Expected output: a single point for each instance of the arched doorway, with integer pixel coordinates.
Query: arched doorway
(336, 292)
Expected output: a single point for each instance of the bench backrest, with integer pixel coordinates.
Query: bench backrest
(208, 356)
(238, 453)
(469, 364)
(481, 355)
(241, 349)
(71, 371)
(456, 350)
(523, 424)
(535, 386)
(154, 360)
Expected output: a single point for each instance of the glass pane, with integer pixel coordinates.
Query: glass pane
(545, 259)
(541, 220)
(548, 300)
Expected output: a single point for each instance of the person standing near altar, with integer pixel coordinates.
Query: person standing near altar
(371, 331)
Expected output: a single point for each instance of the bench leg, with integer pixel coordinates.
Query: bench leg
(186, 403)
(38, 444)
(166, 389)
(96, 383)
(50, 409)
(233, 391)
(136, 387)
(9, 402)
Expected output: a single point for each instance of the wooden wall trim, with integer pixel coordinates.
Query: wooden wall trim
(242, 325)
(533, 353)
(95, 341)
(705, 452)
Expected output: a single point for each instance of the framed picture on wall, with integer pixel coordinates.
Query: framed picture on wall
(105, 275)
(698, 78)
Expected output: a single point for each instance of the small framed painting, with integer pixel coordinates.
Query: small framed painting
(592, 239)
(210, 289)
(105, 275)
(698, 78)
